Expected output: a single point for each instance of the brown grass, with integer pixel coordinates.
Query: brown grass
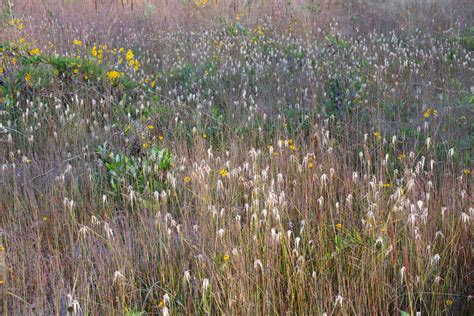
(321, 163)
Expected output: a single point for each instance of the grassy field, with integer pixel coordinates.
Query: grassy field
(237, 157)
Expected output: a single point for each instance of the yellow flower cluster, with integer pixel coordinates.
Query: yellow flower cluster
(17, 22)
(224, 173)
(113, 75)
(28, 78)
(132, 62)
(430, 112)
(98, 52)
(77, 42)
(35, 52)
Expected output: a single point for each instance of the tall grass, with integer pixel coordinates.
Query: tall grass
(212, 158)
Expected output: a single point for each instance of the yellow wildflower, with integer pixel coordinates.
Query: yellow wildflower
(129, 55)
(430, 112)
(136, 64)
(94, 51)
(449, 302)
(145, 145)
(35, 52)
(378, 135)
(22, 39)
(401, 156)
(113, 75)
(150, 126)
(28, 78)
(467, 171)
(339, 226)
(310, 165)
(226, 258)
(224, 173)
(77, 42)
(187, 179)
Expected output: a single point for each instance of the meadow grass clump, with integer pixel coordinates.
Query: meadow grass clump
(236, 159)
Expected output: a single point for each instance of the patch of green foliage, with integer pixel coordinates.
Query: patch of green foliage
(144, 173)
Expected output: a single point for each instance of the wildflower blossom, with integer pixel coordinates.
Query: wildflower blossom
(224, 173)
(113, 75)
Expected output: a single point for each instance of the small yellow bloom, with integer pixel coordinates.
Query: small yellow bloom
(378, 135)
(2, 249)
(204, 136)
(224, 173)
(226, 258)
(387, 185)
(292, 147)
(22, 39)
(161, 138)
(339, 226)
(430, 112)
(145, 145)
(161, 304)
(77, 42)
(20, 27)
(136, 65)
(94, 51)
(76, 70)
(35, 52)
(310, 165)
(113, 75)
(449, 302)
(401, 156)
(129, 55)
(187, 179)
(467, 171)
(150, 127)
(28, 78)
